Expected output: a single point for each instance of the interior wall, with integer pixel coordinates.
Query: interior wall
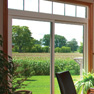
(84, 1)
(93, 37)
(1, 17)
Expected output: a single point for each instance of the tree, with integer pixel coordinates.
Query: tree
(37, 42)
(59, 40)
(81, 48)
(21, 37)
(73, 44)
(46, 40)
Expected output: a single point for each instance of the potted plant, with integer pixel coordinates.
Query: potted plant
(85, 83)
(6, 71)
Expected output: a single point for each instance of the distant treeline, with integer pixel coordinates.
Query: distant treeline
(22, 41)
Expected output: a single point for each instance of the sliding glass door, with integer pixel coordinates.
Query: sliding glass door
(69, 53)
(31, 52)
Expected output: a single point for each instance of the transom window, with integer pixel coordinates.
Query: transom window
(43, 6)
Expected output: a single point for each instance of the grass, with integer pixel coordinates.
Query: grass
(41, 84)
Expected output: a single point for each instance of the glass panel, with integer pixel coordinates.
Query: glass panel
(58, 8)
(15, 4)
(81, 11)
(45, 6)
(31, 5)
(68, 46)
(31, 51)
(69, 10)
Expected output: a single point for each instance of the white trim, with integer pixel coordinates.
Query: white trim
(52, 42)
(85, 47)
(10, 36)
(85, 42)
(27, 14)
(18, 14)
(52, 59)
(69, 22)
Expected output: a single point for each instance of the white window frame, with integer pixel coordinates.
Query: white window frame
(18, 14)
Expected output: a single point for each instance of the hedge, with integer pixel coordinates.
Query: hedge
(43, 67)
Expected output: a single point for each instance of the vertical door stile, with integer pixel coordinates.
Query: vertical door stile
(85, 49)
(52, 59)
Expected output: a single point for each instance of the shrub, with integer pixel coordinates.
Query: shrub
(68, 64)
(22, 71)
(57, 49)
(15, 49)
(68, 49)
(81, 48)
(24, 68)
(36, 48)
(34, 67)
(65, 49)
(45, 49)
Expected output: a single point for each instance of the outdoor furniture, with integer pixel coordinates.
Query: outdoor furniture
(79, 60)
(22, 92)
(65, 83)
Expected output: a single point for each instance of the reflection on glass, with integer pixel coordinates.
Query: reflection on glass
(15, 4)
(45, 6)
(31, 5)
(58, 8)
(69, 10)
(81, 11)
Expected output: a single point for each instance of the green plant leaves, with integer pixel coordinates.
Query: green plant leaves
(6, 70)
(84, 84)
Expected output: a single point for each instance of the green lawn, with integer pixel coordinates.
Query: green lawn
(41, 84)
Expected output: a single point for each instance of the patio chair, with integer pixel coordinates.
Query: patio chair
(65, 83)
(22, 92)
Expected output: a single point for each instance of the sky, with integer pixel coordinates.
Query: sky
(40, 28)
